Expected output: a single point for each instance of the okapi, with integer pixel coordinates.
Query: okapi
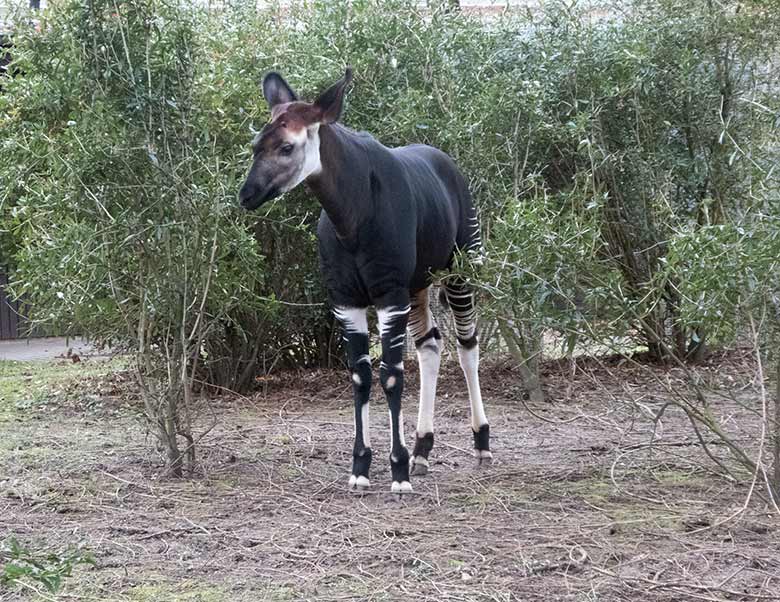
(391, 217)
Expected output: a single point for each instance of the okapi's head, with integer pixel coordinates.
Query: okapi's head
(287, 150)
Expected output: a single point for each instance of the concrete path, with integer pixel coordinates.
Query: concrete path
(44, 349)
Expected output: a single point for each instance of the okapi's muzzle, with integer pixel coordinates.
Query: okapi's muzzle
(252, 197)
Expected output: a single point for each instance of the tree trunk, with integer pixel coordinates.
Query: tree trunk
(526, 350)
(697, 348)
(175, 462)
(653, 332)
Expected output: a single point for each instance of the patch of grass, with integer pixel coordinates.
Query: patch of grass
(633, 512)
(26, 386)
(678, 478)
(29, 454)
(354, 588)
(595, 490)
(513, 498)
(629, 516)
(192, 591)
(282, 440)
(46, 568)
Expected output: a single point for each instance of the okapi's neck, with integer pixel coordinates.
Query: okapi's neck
(340, 183)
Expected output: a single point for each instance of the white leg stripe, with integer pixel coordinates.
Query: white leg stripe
(401, 436)
(420, 318)
(353, 318)
(469, 362)
(386, 317)
(429, 360)
(398, 366)
(392, 439)
(366, 425)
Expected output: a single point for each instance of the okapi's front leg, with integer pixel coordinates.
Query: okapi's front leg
(356, 333)
(392, 329)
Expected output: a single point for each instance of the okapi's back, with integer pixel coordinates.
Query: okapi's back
(445, 214)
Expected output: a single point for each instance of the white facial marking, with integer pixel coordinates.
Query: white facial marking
(309, 137)
(356, 379)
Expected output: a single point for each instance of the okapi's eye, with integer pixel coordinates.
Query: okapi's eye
(287, 149)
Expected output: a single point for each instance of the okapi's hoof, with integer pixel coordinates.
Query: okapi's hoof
(359, 484)
(401, 488)
(422, 447)
(484, 457)
(482, 446)
(419, 466)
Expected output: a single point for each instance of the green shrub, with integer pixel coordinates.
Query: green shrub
(643, 134)
(623, 166)
(46, 568)
(123, 204)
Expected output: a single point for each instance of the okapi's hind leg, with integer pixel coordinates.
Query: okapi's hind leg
(460, 298)
(426, 337)
(356, 333)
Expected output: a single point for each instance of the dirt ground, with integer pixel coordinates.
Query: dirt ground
(582, 503)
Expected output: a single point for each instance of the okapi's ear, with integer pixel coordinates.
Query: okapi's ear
(276, 90)
(331, 102)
